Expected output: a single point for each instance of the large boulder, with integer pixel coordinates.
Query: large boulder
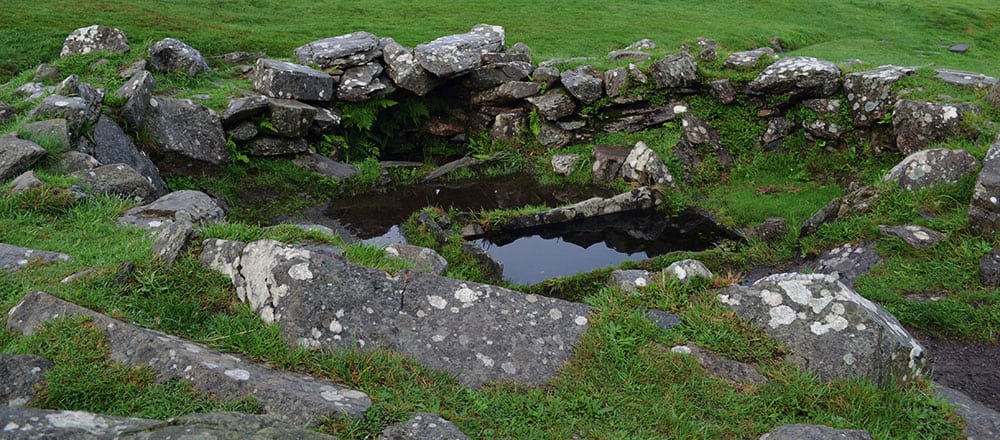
(185, 130)
(984, 209)
(13, 258)
(290, 118)
(16, 156)
(194, 206)
(117, 180)
(917, 124)
(927, 168)
(343, 51)
(554, 104)
(644, 166)
(798, 76)
(870, 93)
(242, 109)
(137, 92)
(454, 55)
(839, 333)
(495, 74)
(171, 55)
(75, 110)
(675, 71)
(478, 332)
(280, 79)
(361, 83)
(95, 38)
(298, 398)
(585, 83)
(404, 70)
(112, 145)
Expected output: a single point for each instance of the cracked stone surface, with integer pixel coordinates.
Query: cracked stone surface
(280, 79)
(480, 333)
(14, 258)
(585, 83)
(404, 70)
(361, 83)
(300, 399)
(927, 168)
(799, 76)
(554, 104)
(839, 333)
(644, 166)
(454, 55)
(846, 262)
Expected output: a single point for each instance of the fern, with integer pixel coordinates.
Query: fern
(363, 115)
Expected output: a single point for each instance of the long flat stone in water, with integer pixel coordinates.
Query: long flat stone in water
(13, 258)
(300, 399)
(480, 333)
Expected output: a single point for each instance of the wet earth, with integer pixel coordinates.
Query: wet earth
(972, 368)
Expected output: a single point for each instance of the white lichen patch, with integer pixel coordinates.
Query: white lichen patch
(486, 360)
(580, 320)
(555, 314)
(849, 359)
(238, 374)
(770, 298)
(681, 349)
(508, 367)
(300, 272)
(781, 315)
(726, 299)
(437, 302)
(465, 295)
(335, 326)
(91, 423)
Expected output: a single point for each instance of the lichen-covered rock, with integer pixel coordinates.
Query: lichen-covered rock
(479, 332)
(404, 70)
(423, 259)
(454, 55)
(55, 131)
(14, 258)
(748, 58)
(917, 124)
(814, 432)
(21, 373)
(276, 146)
(172, 55)
(565, 164)
(325, 166)
(555, 104)
(280, 79)
(630, 280)
(614, 81)
(965, 79)
(846, 262)
(117, 180)
(138, 92)
(913, 235)
(75, 110)
(584, 82)
(721, 367)
(675, 71)
(723, 90)
(984, 209)
(16, 156)
(32, 90)
(635, 200)
(423, 426)
(241, 109)
(298, 398)
(839, 333)
(989, 268)
(823, 130)
(73, 161)
(870, 94)
(771, 229)
(112, 145)
(699, 142)
(290, 118)
(495, 74)
(927, 168)
(361, 83)
(185, 130)
(644, 166)
(994, 96)
(608, 161)
(95, 38)
(28, 180)
(343, 51)
(798, 76)
(547, 75)
(92, 96)
(195, 206)
(172, 240)
(686, 270)
(509, 126)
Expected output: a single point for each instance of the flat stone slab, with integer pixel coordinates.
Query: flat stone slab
(981, 422)
(195, 206)
(721, 367)
(634, 200)
(423, 426)
(300, 399)
(913, 235)
(965, 79)
(480, 333)
(13, 258)
(936, 166)
(814, 432)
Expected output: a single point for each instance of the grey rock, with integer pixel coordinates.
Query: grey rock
(243, 132)
(22, 374)
(520, 49)
(185, 130)
(195, 206)
(747, 59)
(13, 258)
(492, 269)
(798, 76)
(686, 270)
(608, 162)
(663, 320)
(615, 80)
(509, 125)
(846, 262)
(276, 146)
(699, 141)
(913, 235)
(554, 104)
(33, 90)
(112, 145)
(132, 69)
(279, 79)
(675, 71)
(117, 180)
(443, 170)
(640, 116)
(723, 90)
(547, 75)
(822, 106)
(721, 367)
(361, 83)
(826, 214)
(837, 331)
(47, 72)
(423, 259)
(644, 166)
(454, 55)
(26, 181)
(54, 131)
(172, 240)
(327, 121)
(708, 49)
(73, 161)
(325, 166)
(552, 136)
(343, 51)
(777, 129)
(965, 79)
(238, 57)
(290, 118)
(772, 229)
(300, 399)
(95, 38)
(479, 332)
(506, 93)
(984, 209)
(634, 200)
(74, 110)
(989, 268)
(423, 426)
(859, 200)
(498, 73)
(171, 55)
(6, 113)
(16, 156)
(565, 164)
(823, 130)
(138, 92)
(404, 70)
(630, 280)
(994, 96)
(622, 54)
(981, 422)
(917, 124)
(959, 48)
(241, 109)
(585, 83)
(927, 168)
(814, 432)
